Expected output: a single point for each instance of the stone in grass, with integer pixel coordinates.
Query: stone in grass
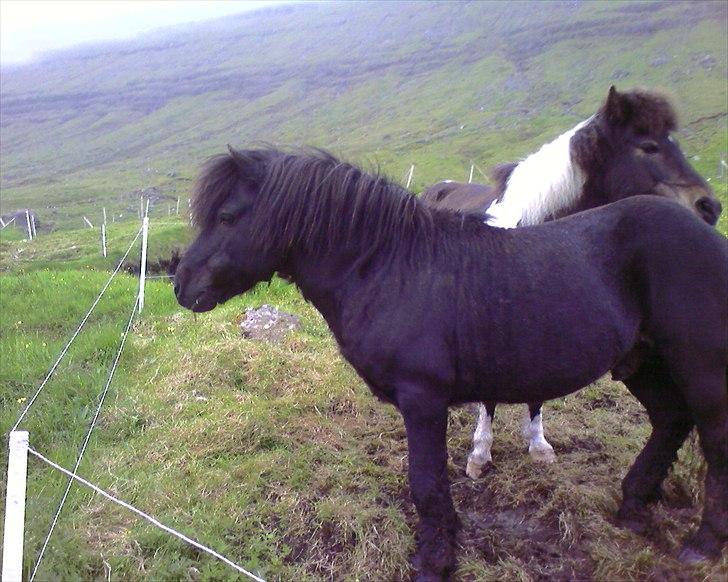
(268, 323)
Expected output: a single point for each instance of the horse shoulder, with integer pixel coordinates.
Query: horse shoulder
(391, 334)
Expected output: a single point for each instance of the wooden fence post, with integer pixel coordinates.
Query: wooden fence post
(27, 220)
(15, 507)
(143, 266)
(411, 173)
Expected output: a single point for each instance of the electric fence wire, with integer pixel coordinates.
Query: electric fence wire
(73, 337)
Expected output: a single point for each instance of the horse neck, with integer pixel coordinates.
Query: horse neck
(325, 275)
(543, 185)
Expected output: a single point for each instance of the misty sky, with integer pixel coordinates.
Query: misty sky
(29, 28)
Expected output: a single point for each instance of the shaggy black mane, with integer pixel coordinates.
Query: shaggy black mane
(314, 201)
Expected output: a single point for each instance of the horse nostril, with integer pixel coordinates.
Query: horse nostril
(709, 208)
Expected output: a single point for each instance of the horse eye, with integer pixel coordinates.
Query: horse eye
(226, 218)
(649, 147)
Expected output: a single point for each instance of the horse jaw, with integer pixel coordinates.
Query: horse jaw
(543, 184)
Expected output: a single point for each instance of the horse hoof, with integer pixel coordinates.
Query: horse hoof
(429, 577)
(544, 455)
(476, 470)
(691, 556)
(633, 521)
(635, 525)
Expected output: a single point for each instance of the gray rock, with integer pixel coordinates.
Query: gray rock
(268, 323)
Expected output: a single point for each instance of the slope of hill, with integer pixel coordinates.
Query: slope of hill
(435, 84)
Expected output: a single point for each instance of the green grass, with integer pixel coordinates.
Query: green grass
(277, 456)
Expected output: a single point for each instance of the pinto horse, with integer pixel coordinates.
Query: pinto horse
(623, 150)
(639, 287)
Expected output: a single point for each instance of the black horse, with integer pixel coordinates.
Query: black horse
(639, 287)
(625, 149)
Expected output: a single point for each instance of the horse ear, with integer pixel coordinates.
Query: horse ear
(617, 107)
(249, 164)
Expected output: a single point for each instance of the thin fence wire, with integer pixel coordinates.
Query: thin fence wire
(73, 337)
(58, 253)
(102, 397)
(146, 516)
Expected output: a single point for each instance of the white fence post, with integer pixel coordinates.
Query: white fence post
(2, 223)
(15, 507)
(104, 215)
(411, 173)
(27, 220)
(32, 224)
(177, 208)
(143, 267)
(103, 238)
(470, 179)
(87, 221)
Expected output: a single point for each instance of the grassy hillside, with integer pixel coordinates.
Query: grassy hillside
(436, 84)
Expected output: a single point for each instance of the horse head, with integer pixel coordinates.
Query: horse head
(224, 260)
(627, 150)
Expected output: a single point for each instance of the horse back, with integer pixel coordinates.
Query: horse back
(460, 196)
(555, 306)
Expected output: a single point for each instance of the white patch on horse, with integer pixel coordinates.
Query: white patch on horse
(544, 183)
(538, 447)
(480, 456)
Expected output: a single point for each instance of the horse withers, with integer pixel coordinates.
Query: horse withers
(638, 286)
(623, 150)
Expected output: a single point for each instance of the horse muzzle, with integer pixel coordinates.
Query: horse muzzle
(709, 209)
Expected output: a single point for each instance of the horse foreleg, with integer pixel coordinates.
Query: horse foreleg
(480, 456)
(426, 424)
(538, 447)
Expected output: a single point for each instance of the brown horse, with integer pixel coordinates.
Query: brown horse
(623, 150)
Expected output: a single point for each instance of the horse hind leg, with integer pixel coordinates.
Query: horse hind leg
(532, 429)
(707, 398)
(671, 422)
(480, 456)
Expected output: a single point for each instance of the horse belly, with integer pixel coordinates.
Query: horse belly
(547, 347)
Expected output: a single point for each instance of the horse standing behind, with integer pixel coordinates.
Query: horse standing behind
(638, 287)
(623, 150)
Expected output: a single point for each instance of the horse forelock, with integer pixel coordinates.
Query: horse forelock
(647, 112)
(215, 183)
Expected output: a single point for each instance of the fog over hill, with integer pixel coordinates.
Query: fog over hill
(436, 84)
